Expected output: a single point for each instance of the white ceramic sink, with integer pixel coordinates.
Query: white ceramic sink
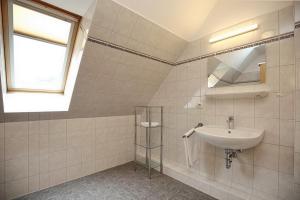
(239, 138)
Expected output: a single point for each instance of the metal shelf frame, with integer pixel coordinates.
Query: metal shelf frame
(148, 158)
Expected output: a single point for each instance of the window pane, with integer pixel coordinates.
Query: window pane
(34, 23)
(38, 65)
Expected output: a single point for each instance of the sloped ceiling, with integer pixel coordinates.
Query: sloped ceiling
(192, 19)
(111, 82)
(76, 6)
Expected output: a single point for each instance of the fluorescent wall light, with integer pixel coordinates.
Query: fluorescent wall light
(234, 32)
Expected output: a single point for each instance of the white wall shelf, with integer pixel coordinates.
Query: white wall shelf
(239, 91)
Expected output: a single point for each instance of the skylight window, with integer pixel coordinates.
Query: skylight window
(30, 22)
(43, 46)
(40, 41)
(34, 68)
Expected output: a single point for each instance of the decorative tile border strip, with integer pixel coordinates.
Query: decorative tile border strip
(251, 44)
(122, 48)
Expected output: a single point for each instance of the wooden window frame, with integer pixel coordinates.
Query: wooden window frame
(8, 32)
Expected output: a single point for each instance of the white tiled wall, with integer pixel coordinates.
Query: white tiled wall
(297, 61)
(265, 172)
(35, 155)
(270, 24)
(117, 24)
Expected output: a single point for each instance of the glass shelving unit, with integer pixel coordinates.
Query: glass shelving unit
(149, 138)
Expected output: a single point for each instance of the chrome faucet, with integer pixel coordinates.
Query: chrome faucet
(230, 122)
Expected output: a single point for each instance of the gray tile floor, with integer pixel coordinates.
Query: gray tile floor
(121, 182)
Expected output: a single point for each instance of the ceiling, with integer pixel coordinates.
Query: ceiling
(76, 6)
(192, 19)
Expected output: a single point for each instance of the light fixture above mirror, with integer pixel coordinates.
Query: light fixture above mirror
(233, 32)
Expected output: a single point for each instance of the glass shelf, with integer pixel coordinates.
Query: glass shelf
(142, 161)
(149, 127)
(151, 147)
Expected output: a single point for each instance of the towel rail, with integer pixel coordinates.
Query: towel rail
(192, 132)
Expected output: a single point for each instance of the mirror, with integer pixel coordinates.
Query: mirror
(245, 66)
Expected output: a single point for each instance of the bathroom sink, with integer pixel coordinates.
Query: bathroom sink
(238, 138)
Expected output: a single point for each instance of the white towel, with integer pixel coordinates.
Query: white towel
(146, 124)
(191, 146)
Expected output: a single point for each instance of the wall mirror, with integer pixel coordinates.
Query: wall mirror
(245, 66)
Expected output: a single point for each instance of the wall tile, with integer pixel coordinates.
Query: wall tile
(297, 11)
(287, 106)
(57, 126)
(2, 142)
(16, 147)
(2, 125)
(33, 184)
(33, 127)
(286, 187)
(57, 141)
(194, 70)
(248, 122)
(266, 155)
(57, 160)
(265, 180)
(287, 79)
(53, 159)
(2, 191)
(16, 188)
(33, 165)
(15, 117)
(74, 156)
(33, 143)
(16, 129)
(272, 78)
(224, 107)
(58, 176)
(272, 54)
(2, 172)
(297, 105)
(244, 107)
(297, 190)
(44, 181)
(286, 160)
(297, 45)
(89, 167)
(297, 167)
(287, 51)
(286, 20)
(44, 163)
(267, 107)
(297, 70)
(287, 132)
(222, 175)
(16, 139)
(76, 126)
(243, 176)
(297, 138)
(207, 165)
(16, 169)
(74, 172)
(246, 157)
(271, 127)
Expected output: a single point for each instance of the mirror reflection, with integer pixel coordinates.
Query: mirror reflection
(238, 67)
